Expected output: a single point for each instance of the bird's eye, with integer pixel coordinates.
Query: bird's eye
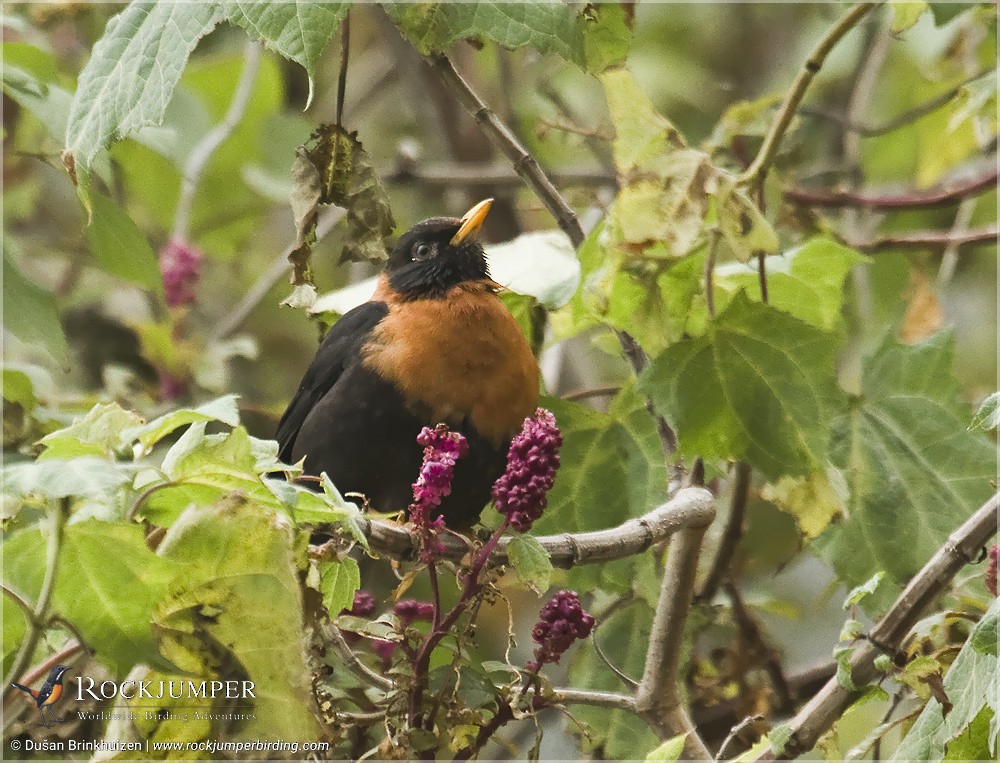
(422, 251)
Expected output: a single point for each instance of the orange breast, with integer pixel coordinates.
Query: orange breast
(458, 357)
(55, 695)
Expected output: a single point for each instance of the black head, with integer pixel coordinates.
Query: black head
(57, 672)
(439, 253)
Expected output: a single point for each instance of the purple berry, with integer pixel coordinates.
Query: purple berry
(532, 462)
(562, 622)
(180, 267)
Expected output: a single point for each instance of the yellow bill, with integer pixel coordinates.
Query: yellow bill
(472, 221)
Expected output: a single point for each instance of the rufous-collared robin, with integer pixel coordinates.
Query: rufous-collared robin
(48, 695)
(435, 344)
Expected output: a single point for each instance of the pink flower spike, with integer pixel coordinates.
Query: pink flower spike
(532, 463)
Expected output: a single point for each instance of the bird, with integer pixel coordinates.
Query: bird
(48, 695)
(434, 345)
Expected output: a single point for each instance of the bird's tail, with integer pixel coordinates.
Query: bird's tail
(22, 688)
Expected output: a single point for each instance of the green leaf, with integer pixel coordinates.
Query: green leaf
(987, 633)
(668, 751)
(905, 14)
(86, 477)
(120, 247)
(530, 562)
(29, 311)
(914, 470)
(108, 584)
(337, 582)
(236, 613)
(548, 27)
(18, 389)
(759, 385)
(297, 30)
(743, 226)
(865, 589)
(103, 426)
(778, 737)
(607, 35)
(125, 85)
(34, 90)
(807, 282)
(972, 683)
(842, 656)
(222, 409)
(988, 415)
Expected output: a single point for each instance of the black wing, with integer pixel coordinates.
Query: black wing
(340, 349)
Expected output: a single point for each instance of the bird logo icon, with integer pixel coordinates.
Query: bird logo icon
(48, 695)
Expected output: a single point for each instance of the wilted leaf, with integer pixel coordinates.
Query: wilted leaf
(814, 501)
(335, 163)
(744, 228)
(663, 198)
(923, 310)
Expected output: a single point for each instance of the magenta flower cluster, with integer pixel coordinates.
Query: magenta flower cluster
(364, 604)
(442, 449)
(532, 462)
(562, 621)
(180, 267)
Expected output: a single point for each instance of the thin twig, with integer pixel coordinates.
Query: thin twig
(269, 278)
(658, 698)
(57, 519)
(949, 258)
(202, 152)
(754, 174)
(583, 394)
(731, 534)
(691, 506)
(353, 662)
(754, 638)
(961, 548)
(345, 55)
(929, 240)
(901, 120)
(606, 699)
(938, 197)
(452, 174)
(736, 731)
(507, 143)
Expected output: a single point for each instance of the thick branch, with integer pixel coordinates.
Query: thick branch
(658, 698)
(939, 197)
(755, 173)
(690, 507)
(961, 548)
(929, 240)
